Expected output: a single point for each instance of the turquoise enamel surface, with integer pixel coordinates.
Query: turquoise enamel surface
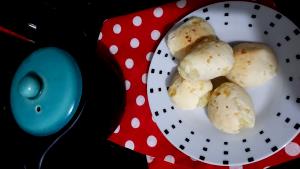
(46, 91)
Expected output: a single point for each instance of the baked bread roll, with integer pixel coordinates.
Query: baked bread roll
(189, 95)
(181, 40)
(207, 61)
(230, 108)
(255, 64)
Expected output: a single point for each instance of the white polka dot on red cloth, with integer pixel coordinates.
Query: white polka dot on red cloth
(137, 21)
(129, 63)
(140, 100)
(117, 28)
(117, 130)
(151, 141)
(149, 159)
(266, 167)
(127, 84)
(129, 144)
(181, 3)
(149, 56)
(155, 34)
(170, 159)
(113, 49)
(292, 149)
(158, 12)
(144, 78)
(235, 167)
(100, 36)
(135, 123)
(134, 43)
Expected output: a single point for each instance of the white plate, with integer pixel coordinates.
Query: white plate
(277, 103)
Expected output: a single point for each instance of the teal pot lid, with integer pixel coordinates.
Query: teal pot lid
(46, 91)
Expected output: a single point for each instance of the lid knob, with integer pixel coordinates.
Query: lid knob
(30, 86)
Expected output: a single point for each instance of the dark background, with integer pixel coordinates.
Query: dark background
(73, 27)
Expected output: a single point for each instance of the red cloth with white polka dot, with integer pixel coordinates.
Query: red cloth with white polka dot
(131, 40)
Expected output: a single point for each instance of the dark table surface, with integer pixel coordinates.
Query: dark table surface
(74, 27)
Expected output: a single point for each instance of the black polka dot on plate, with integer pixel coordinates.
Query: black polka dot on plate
(250, 25)
(159, 51)
(226, 5)
(204, 148)
(159, 89)
(226, 14)
(225, 162)
(247, 149)
(250, 159)
(257, 7)
(164, 110)
(207, 140)
(166, 131)
(272, 24)
(274, 148)
(186, 19)
(187, 140)
(173, 126)
(266, 32)
(278, 44)
(261, 132)
(156, 113)
(287, 60)
(160, 72)
(225, 143)
(205, 10)
(172, 107)
(287, 97)
(268, 140)
(192, 132)
(278, 16)
(173, 58)
(244, 140)
(207, 18)
(179, 121)
(287, 120)
(297, 56)
(181, 147)
(166, 55)
(152, 70)
(151, 90)
(201, 157)
(298, 100)
(225, 23)
(296, 32)
(290, 78)
(168, 73)
(297, 126)
(253, 16)
(278, 114)
(225, 152)
(287, 38)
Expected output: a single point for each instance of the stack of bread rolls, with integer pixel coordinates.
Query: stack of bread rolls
(202, 57)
